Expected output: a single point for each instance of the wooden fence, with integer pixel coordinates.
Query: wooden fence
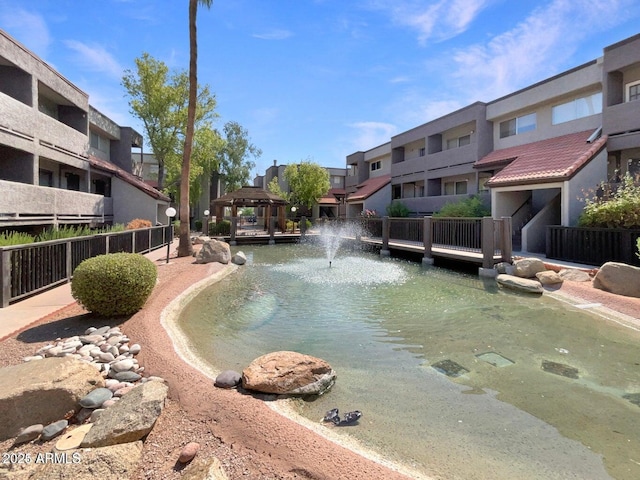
(592, 246)
(31, 268)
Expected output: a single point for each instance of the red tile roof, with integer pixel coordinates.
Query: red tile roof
(127, 177)
(331, 197)
(369, 187)
(544, 161)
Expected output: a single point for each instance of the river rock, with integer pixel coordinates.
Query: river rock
(289, 373)
(528, 267)
(115, 462)
(29, 433)
(127, 376)
(228, 379)
(131, 418)
(574, 275)
(135, 349)
(53, 429)
(239, 258)
(122, 365)
(549, 277)
(43, 391)
(214, 251)
(520, 284)
(188, 452)
(96, 398)
(618, 278)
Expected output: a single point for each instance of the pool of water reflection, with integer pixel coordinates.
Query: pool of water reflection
(384, 324)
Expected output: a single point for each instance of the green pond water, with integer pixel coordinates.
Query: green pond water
(455, 378)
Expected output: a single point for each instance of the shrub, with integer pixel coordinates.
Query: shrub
(397, 209)
(220, 228)
(114, 284)
(63, 232)
(621, 210)
(469, 207)
(198, 225)
(138, 223)
(15, 238)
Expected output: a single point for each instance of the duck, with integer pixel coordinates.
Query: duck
(350, 418)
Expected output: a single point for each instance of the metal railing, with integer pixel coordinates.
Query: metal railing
(30, 268)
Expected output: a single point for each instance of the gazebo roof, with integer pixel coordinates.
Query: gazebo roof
(249, 197)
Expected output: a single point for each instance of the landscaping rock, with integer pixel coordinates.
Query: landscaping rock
(228, 379)
(96, 398)
(288, 373)
(188, 452)
(204, 468)
(29, 433)
(549, 277)
(43, 391)
(574, 275)
(125, 376)
(214, 251)
(115, 462)
(239, 258)
(504, 267)
(53, 429)
(520, 284)
(618, 278)
(131, 418)
(528, 267)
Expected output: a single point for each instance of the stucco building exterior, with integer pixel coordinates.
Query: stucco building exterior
(62, 161)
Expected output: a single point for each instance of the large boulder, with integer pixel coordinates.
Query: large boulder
(288, 373)
(574, 275)
(43, 391)
(618, 278)
(549, 277)
(528, 267)
(130, 419)
(520, 284)
(115, 462)
(214, 251)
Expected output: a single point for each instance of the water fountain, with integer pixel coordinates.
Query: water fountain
(332, 235)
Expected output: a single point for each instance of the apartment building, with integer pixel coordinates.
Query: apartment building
(61, 161)
(368, 181)
(531, 154)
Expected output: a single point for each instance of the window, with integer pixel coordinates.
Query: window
(337, 180)
(396, 192)
(458, 142)
(518, 125)
(578, 108)
(421, 153)
(73, 181)
(45, 178)
(98, 142)
(633, 91)
(376, 165)
(455, 188)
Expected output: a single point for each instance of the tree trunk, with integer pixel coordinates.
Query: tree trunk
(184, 246)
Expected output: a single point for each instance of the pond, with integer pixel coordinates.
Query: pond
(455, 377)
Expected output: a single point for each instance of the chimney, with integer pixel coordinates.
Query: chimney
(275, 163)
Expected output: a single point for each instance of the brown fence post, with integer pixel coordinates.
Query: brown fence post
(272, 230)
(427, 239)
(303, 226)
(68, 260)
(232, 233)
(488, 246)
(5, 272)
(385, 237)
(507, 240)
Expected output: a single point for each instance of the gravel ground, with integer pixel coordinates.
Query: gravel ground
(251, 440)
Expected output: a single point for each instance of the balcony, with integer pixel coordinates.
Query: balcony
(22, 204)
(621, 118)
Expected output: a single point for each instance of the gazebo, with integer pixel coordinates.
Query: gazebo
(251, 197)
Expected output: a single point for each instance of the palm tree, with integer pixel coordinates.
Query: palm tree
(184, 246)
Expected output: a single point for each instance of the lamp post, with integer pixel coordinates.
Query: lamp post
(206, 230)
(170, 213)
(293, 220)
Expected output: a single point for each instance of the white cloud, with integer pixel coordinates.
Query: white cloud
(95, 58)
(371, 134)
(273, 35)
(535, 48)
(440, 19)
(29, 27)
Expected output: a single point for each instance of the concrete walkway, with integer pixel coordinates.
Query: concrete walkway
(19, 315)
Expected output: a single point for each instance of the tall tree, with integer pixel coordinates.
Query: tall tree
(274, 187)
(184, 244)
(234, 158)
(308, 182)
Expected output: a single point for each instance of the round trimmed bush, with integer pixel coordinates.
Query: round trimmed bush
(114, 284)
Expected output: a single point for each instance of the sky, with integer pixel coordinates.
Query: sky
(320, 79)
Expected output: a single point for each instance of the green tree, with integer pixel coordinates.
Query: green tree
(184, 245)
(274, 187)
(308, 182)
(234, 158)
(159, 98)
